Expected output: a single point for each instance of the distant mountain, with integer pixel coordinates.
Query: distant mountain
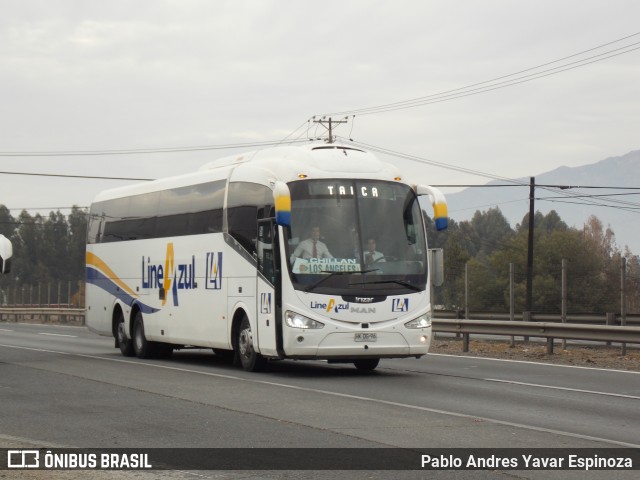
(623, 216)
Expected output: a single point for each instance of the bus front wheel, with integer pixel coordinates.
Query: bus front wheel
(251, 360)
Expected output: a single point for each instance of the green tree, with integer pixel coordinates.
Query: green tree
(7, 223)
(28, 265)
(492, 230)
(455, 258)
(632, 281)
(585, 283)
(589, 285)
(77, 242)
(54, 249)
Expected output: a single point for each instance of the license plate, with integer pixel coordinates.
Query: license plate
(366, 337)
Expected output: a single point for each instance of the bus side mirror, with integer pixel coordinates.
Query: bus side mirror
(439, 203)
(6, 252)
(436, 266)
(282, 201)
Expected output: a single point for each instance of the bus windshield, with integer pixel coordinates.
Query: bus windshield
(354, 237)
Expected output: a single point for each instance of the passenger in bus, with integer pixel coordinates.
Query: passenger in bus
(311, 247)
(372, 255)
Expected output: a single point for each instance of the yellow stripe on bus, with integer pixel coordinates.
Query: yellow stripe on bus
(97, 262)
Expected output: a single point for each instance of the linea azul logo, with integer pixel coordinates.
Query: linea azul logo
(331, 306)
(169, 277)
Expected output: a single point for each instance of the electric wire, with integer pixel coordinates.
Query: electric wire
(84, 177)
(296, 139)
(46, 208)
(435, 163)
(495, 83)
(587, 200)
(568, 195)
(142, 151)
(479, 91)
(618, 207)
(603, 195)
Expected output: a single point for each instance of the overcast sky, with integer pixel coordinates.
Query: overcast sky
(103, 75)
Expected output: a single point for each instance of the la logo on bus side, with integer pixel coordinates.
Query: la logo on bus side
(213, 279)
(265, 302)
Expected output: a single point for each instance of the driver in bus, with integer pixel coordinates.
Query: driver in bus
(311, 247)
(372, 255)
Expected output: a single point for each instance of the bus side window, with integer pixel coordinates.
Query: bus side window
(244, 202)
(96, 224)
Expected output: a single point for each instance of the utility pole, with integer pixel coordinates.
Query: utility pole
(331, 122)
(532, 187)
(623, 299)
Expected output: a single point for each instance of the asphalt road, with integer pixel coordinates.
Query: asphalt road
(65, 387)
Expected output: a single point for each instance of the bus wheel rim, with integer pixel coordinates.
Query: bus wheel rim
(245, 342)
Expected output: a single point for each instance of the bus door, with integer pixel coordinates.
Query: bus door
(268, 280)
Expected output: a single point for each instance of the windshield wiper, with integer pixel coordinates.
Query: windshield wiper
(399, 282)
(315, 284)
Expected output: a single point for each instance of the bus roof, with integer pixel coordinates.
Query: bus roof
(286, 163)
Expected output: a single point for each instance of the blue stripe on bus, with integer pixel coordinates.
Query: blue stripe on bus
(97, 278)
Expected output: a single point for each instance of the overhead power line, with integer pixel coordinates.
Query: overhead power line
(435, 163)
(142, 151)
(563, 187)
(502, 82)
(79, 207)
(593, 200)
(84, 177)
(559, 189)
(590, 204)
(594, 196)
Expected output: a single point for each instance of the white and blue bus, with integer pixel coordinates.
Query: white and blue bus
(224, 258)
(6, 252)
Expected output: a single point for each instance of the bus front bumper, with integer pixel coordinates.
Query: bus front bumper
(310, 344)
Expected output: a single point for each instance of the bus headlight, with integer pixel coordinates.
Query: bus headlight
(423, 321)
(295, 320)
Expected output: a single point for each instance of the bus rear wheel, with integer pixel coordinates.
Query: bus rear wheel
(251, 360)
(125, 344)
(366, 364)
(142, 347)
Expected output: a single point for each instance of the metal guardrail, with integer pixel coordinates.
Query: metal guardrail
(55, 316)
(602, 318)
(550, 331)
(599, 333)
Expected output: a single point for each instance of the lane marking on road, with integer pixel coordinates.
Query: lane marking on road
(514, 382)
(5, 330)
(57, 335)
(532, 363)
(340, 395)
(567, 389)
